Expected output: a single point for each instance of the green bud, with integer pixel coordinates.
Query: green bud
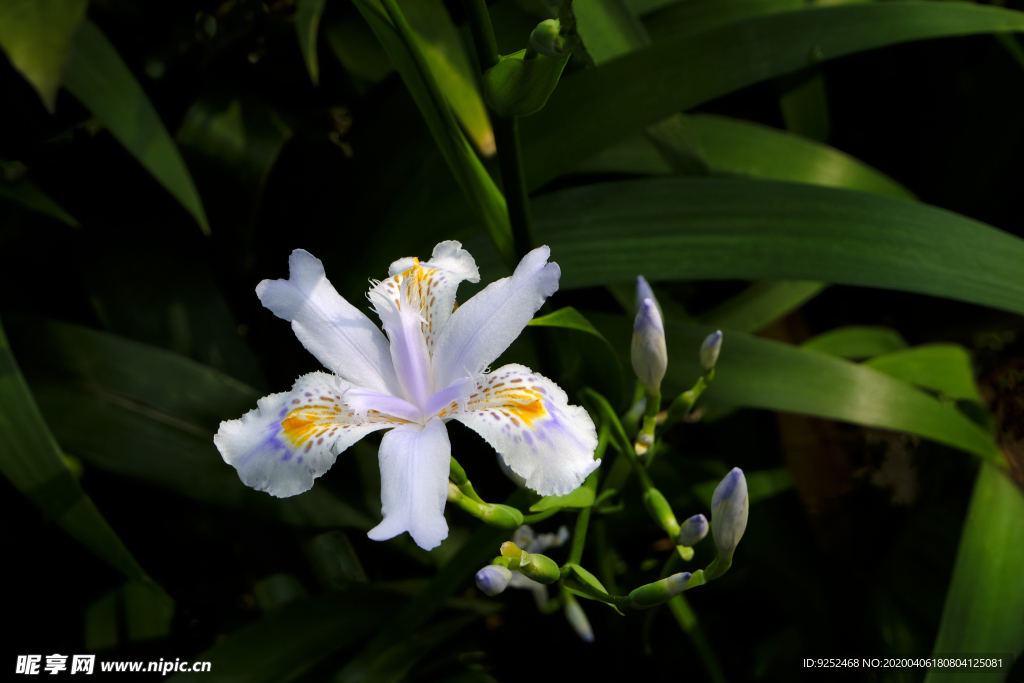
(502, 516)
(661, 511)
(517, 86)
(658, 592)
(540, 568)
(546, 40)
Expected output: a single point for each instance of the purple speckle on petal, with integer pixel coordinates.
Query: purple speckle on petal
(299, 460)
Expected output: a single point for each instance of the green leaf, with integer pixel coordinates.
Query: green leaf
(307, 22)
(99, 78)
(857, 341)
(601, 365)
(941, 367)
(609, 29)
(805, 107)
(151, 414)
(442, 47)
(31, 460)
(759, 373)
(231, 143)
(598, 107)
(358, 50)
(37, 36)
(31, 197)
(477, 186)
(583, 497)
(745, 148)
(761, 485)
(286, 644)
(589, 587)
(517, 86)
(762, 304)
(985, 601)
(707, 228)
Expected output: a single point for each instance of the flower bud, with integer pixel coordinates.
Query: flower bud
(648, 352)
(644, 291)
(709, 351)
(540, 568)
(692, 530)
(660, 510)
(658, 592)
(546, 40)
(493, 579)
(501, 516)
(729, 508)
(577, 618)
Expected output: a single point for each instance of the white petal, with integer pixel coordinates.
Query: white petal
(362, 401)
(292, 438)
(527, 418)
(485, 325)
(408, 345)
(332, 329)
(414, 466)
(432, 285)
(451, 399)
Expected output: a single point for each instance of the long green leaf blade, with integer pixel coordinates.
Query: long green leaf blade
(488, 203)
(760, 373)
(982, 614)
(598, 107)
(857, 341)
(307, 23)
(704, 228)
(31, 460)
(939, 367)
(100, 79)
(37, 37)
(31, 197)
(745, 148)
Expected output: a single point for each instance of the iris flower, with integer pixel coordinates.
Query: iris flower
(431, 367)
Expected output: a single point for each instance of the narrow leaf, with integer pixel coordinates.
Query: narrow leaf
(31, 460)
(857, 341)
(100, 79)
(762, 304)
(982, 614)
(597, 107)
(745, 148)
(307, 22)
(37, 36)
(708, 228)
(442, 47)
(31, 197)
(941, 367)
(151, 414)
(477, 186)
(759, 373)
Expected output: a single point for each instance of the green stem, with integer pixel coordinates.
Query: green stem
(513, 179)
(506, 134)
(483, 33)
(687, 620)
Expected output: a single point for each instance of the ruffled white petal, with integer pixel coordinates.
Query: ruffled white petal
(429, 288)
(527, 418)
(292, 438)
(414, 466)
(332, 329)
(485, 325)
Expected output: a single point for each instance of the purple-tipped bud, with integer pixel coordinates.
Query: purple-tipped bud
(658, 592)
(730, 506)
(709, 351)
(493, 579)
(648, 352)
(692, 530)
(578, 618)
(644, 291)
